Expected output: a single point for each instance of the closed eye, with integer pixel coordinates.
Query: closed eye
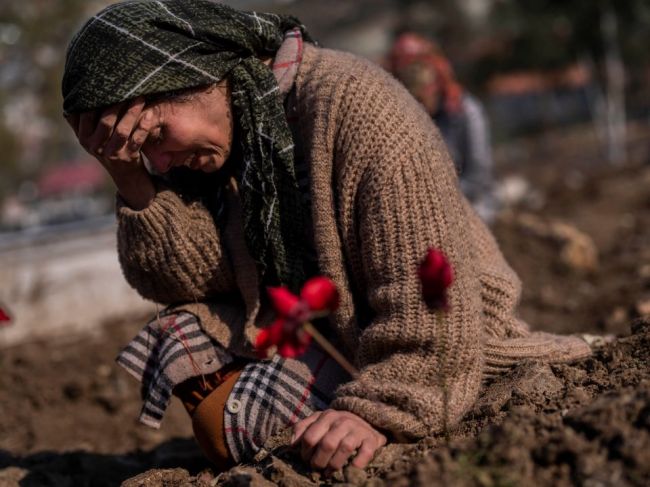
(157, 136)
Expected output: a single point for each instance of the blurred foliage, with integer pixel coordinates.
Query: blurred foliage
(547, 34)
(33, 59)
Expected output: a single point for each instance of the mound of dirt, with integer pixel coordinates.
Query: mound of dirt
(68, 416)
(581, 424)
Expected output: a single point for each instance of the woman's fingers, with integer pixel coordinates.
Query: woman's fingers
(86, 128)
(329, 439)
(301, 426)
(313, 435)
(103, 130)
(111, 137)
(335, 448)
(141, 132)
(115, 140)
(123, 129)
(367, 450)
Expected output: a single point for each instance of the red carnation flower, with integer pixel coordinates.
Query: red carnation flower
(288, 336)
(318, 296)
(436, 276)
(5, 319)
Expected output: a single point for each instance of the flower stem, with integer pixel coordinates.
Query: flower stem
(445, 388)
(330, 349)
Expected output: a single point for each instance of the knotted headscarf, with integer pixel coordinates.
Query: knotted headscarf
(147, 47)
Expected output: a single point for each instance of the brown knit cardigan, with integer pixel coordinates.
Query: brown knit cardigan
(383, 190)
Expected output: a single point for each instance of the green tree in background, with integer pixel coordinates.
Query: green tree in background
(611, 37)
(552, 33)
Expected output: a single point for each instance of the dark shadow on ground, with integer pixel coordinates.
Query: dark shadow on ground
(81, 468)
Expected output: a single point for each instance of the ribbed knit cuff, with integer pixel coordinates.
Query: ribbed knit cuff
(171, 251)
(164, 199)
(502, 354)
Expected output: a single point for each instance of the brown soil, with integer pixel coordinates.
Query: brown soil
(68, 414)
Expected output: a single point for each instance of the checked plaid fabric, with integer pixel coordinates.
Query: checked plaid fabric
(169, 350)
(272, 395)
(269, 396)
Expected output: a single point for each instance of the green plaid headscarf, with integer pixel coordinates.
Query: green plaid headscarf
(147, 47)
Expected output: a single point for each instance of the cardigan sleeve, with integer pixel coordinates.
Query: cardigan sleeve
(171, 251)
(420, 371)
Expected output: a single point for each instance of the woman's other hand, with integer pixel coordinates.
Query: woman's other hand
(328, 439)
(115, 141)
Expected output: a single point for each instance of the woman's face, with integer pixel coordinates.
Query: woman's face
(195, 132)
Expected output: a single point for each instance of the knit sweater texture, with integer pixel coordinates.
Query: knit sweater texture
(383, 190)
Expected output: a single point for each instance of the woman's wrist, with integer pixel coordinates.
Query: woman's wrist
(136, 189)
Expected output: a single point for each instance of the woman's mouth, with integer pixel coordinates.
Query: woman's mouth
(161, 164)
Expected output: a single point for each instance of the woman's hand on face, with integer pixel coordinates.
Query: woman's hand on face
(329, 438)
(115, 141)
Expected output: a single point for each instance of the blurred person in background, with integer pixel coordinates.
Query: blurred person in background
(272, 160)
(423, 69)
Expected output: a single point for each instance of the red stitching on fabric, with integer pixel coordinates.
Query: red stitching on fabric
(300, 46)
(307, 390)
(183, 340)
(284, 65)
